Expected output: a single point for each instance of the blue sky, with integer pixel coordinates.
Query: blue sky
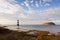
(29, 11)
(39, 4)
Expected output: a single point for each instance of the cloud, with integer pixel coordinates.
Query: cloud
(9, 11)
(47, 0)
(47, 4)
(5, 21)
(51, 14)
(12, 1)
(6, 7)
(31, 1)
(40, 3)
(26, 3)
(36, 4)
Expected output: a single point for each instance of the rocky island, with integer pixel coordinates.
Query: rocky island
(48, 23)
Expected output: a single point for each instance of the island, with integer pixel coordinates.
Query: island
(48, 23)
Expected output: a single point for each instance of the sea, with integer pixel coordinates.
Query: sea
(52, 29)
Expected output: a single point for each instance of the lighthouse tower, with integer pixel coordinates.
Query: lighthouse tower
(18, 24)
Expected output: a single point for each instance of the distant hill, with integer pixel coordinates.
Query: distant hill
(48, 23)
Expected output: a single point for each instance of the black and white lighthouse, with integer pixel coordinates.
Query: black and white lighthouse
(18, 24)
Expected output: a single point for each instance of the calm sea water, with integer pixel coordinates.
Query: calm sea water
(52, 29)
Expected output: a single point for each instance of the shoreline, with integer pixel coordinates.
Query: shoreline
(24, 30)
(51, 29)
(8, 34)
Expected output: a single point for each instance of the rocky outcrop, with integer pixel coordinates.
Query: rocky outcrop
(48, 23)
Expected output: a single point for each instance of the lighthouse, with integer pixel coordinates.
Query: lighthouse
(18, 24)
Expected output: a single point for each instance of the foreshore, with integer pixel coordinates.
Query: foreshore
(7, 34)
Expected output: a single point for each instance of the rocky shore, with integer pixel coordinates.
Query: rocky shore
(7, 34)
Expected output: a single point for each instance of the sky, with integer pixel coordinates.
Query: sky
(29, 11)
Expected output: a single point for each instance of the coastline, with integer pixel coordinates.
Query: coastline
(8, 34)
(52, 29)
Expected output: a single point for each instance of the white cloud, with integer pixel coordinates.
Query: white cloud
(31, 1)
(8, 12)
(47, 0)
(47, 4)
(26, 3)
(6, 21)
(12, 1)
(40, 3)
(37, 5)
(23, 15)
(51, 14)
(6, 7)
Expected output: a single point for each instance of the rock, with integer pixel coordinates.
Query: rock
(48, 23)
(58, 33)
(34, 34)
